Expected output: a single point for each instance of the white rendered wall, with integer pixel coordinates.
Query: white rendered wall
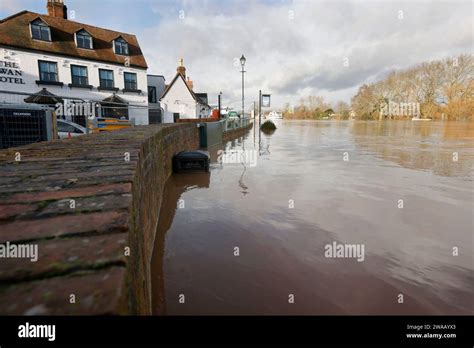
(28, 67)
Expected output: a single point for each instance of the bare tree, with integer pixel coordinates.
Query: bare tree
(343, 109)
(440, 87)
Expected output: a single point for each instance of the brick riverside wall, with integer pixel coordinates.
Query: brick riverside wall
(81, 251)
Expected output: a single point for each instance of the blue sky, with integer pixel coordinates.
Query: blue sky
(135, 13)
(293, 48)
(132, 15)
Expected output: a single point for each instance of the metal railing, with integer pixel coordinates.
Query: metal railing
(231, 124)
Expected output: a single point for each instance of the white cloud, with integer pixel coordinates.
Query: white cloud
(289, 57)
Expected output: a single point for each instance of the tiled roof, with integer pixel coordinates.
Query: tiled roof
(15, 32)
(202, 97)
(43, 97)
(195, 97)
(115, 99)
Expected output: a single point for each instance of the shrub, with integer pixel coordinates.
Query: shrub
(268, 127)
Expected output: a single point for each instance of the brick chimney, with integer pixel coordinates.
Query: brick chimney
(182, 71)
(56, 8)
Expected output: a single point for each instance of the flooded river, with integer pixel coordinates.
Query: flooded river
(253, 238)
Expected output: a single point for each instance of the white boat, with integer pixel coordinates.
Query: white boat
(274, 115)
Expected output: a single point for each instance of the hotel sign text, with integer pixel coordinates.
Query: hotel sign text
(10, 72)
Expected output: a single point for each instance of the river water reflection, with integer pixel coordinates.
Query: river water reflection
(316, 183)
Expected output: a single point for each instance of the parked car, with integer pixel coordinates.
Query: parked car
(68, 129)
(233, 115)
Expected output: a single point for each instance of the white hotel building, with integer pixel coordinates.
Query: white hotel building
(58, 59)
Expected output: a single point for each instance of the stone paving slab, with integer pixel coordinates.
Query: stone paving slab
(96, 293)
(65, 226)
(63, 256)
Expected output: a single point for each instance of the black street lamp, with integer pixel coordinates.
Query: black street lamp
(242, 63)
(219, 104)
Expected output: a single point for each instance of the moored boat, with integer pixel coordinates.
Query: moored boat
(274, 115)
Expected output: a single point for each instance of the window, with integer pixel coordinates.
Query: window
(152, 94)
(130, 80)
(79, 75)
(48, 71)
(68, 128)
(121, 47)
(40, 31)
(106, 78)
(83, 39)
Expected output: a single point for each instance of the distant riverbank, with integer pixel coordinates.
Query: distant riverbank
(287, 116)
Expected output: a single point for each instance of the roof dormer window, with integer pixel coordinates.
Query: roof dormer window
(121, 46)
(40, 30)
(84, 39)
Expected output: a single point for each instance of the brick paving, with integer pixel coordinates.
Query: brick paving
(92, 216)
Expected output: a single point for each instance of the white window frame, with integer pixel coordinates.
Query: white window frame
(92, 39)
(45, 24)
(115, 46)
(125, 80)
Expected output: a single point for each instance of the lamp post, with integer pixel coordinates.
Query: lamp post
(242, 63)
(219, 104)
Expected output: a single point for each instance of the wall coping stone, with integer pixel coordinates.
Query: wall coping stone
(81, 250)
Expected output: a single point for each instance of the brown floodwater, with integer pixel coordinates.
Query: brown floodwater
(311, 184)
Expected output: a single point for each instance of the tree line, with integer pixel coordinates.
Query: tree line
(316, 108)
(441, 89)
